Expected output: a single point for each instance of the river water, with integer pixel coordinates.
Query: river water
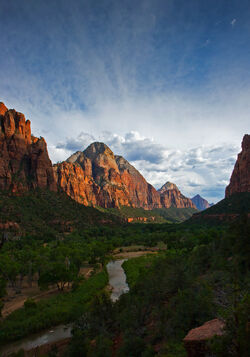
(42, 338)
(117, 280)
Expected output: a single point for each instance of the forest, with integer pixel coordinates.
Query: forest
(199, 272)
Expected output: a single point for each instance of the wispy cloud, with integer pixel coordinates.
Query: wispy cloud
(158, 68)
(233, 22)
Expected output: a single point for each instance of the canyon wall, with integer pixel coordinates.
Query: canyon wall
(240, 179)
(24, 160)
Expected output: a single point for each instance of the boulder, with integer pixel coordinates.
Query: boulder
(196, 340)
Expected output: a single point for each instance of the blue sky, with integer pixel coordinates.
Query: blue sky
(164, 83)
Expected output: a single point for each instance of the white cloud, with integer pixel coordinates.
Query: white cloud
(233, 22)
(204, 169)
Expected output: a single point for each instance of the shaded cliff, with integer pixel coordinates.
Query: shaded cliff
(240, 179)
(201, 203)
(24, 160)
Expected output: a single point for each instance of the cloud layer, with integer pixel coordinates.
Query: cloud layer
(176, 72)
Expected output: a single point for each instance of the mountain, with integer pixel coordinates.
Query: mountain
(172, 197)
(98, 177)
(24, 160)
(237, 200)
(94, 177)
(48, 214)
(201, 203)
(240, 179)
(227, 210)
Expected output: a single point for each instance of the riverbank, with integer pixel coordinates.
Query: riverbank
(67, 306)
(60, 309)
(14, 301)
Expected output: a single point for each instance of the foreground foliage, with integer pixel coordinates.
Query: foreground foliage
(197, 279)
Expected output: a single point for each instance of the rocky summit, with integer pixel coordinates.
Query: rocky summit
(240, 179)
(24, 160)
(98, 177)
(171, 196)
(201, 203)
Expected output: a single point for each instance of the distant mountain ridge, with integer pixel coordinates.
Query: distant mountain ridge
(201, 203)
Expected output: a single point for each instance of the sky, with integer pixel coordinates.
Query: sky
(165, 83)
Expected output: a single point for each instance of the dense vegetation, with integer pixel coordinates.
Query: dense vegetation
(202, 273)
(233, 206)
(201, 276)
(47, 213)
(63, 308)
(157, 215)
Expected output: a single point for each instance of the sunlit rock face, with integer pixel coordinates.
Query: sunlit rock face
(24, 160)
(98, 177)
(240, 179)
(172, 197)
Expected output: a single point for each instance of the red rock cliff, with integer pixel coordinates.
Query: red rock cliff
(97, 177)
(24, 160)
(171, 196)
(240, 179)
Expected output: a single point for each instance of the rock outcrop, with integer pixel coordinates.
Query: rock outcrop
(171, 196)
(240, 179)
(196, 340)
(24, 160)
(201, 203)
(97, 177)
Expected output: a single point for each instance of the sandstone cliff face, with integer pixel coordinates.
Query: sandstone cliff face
(97, 177)
(24, 160)
(171, 196)
(141, 193)
(240, 179)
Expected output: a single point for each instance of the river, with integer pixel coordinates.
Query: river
(117, 280)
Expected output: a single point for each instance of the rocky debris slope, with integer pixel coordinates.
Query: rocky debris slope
(171, 196)
(240, 179)
(201, 203)
(98, 177)
(24, 160)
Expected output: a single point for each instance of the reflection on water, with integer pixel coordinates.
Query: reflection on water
(117, 279)
(52, 335)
